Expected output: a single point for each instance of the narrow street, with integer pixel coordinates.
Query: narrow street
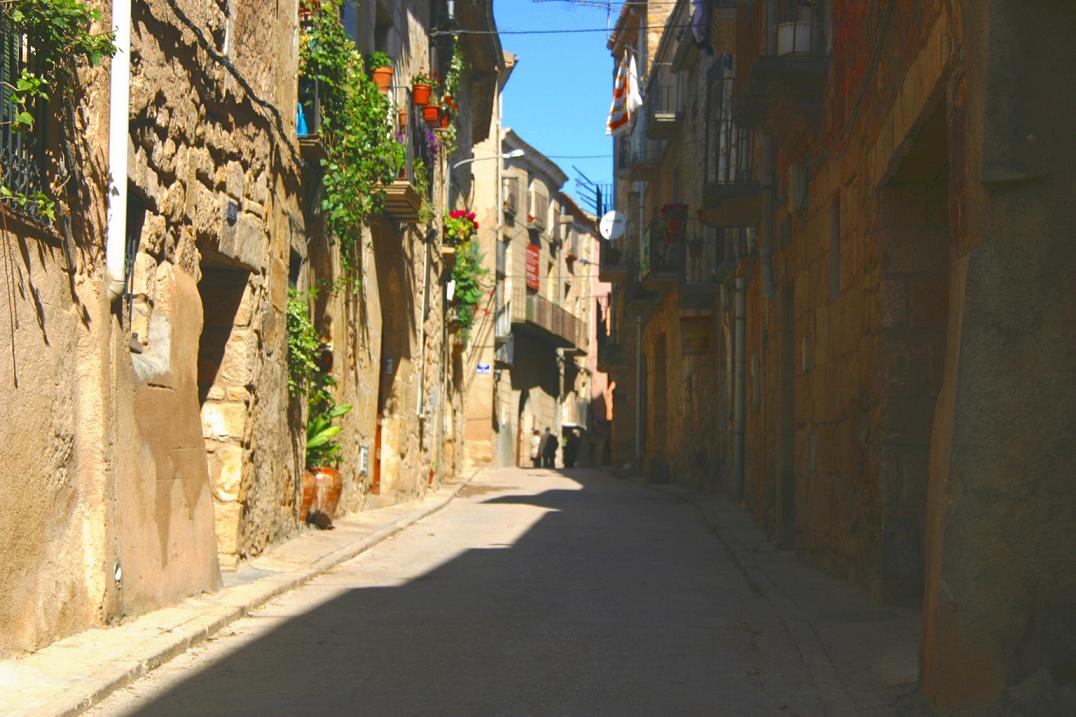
(533, 593)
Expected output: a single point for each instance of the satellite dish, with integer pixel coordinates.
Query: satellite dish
(612, 226)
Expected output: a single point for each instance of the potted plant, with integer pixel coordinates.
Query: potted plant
(675, 216)
(307, 9)
(432, 114)
(459, 227)
(322, 484)
(381, 70)
(421, 89)
(446, 116)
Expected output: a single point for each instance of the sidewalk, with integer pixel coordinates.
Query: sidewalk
(863, 658)
(73, 674)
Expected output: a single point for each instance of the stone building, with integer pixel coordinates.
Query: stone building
(147, 412)
(529, 369)
(887, 188)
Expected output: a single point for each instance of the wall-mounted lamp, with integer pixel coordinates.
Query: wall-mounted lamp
(514, 154)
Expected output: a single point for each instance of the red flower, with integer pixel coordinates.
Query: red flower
(476, 225)
(471, 216)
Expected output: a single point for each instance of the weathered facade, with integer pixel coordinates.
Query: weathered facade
(528, 369)
(887, 192)
(153, 369)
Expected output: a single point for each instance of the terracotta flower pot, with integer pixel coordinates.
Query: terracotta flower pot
(432, 114)
(328, 487)
(310, 490)
(446, 119)
(401, 117)
(420, 94)
(382, 77)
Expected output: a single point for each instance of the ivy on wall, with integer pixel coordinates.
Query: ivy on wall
(468, 273)
(356, 129)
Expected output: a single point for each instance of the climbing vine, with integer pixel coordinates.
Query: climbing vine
(356, 129)
(468, 273)
(58, 33)
(303, 343)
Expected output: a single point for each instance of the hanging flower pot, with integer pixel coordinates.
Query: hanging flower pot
(401, 116)
(380, 66)
(446, 118)
(675, 217)
(420, 93)
(382, 77)
(432, 115)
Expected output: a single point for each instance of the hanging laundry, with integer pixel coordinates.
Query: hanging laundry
(626, 97)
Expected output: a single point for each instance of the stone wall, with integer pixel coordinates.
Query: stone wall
(160, 424)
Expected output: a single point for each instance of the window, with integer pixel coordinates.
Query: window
(22, 153)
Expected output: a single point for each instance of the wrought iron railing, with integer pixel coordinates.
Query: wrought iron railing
(709, 254)
(660, 249)
(729, 147)
(22, 152)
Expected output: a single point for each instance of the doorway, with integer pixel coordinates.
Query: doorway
(915, 286)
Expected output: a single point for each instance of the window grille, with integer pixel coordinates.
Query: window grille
(22, 153)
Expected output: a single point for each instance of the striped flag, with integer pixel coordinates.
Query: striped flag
(626, 98)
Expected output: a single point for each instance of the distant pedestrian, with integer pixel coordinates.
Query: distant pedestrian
(571, 447)
(549, 449)
(536, 449)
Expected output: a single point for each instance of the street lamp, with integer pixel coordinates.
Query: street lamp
(515, 153)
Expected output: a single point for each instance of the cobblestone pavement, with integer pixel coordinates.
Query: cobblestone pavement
(536, 592)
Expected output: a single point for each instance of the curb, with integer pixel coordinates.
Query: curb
(209, 622)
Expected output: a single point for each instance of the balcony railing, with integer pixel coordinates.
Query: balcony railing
(659, 260)
(548, 319)
(663, 103)
(638, 155)
(783, 47)
(502, 324)
(22, 153)
(731, 192)
(613, 263)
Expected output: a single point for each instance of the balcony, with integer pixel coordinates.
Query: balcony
(401, 198)
(637, 155)
(540, 318)
(664, 109)
(709, 259)
(308, 121)
(661, 251)
(784, 63)
(610, 355)
(731, 193)
(613, 266)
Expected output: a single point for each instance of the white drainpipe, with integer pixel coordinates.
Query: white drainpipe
(118, 108)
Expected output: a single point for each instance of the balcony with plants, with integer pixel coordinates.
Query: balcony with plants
(661, 249)
(783, 49)
(731, 192)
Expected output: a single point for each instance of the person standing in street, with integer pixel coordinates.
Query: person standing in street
(549, 449)
(536, 449)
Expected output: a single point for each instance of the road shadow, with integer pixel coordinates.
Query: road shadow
(617, 601)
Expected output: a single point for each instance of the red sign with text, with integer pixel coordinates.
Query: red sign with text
(534, 254)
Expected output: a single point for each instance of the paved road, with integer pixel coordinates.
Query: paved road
(534, 593)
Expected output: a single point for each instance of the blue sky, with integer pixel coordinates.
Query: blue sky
(558, 96)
